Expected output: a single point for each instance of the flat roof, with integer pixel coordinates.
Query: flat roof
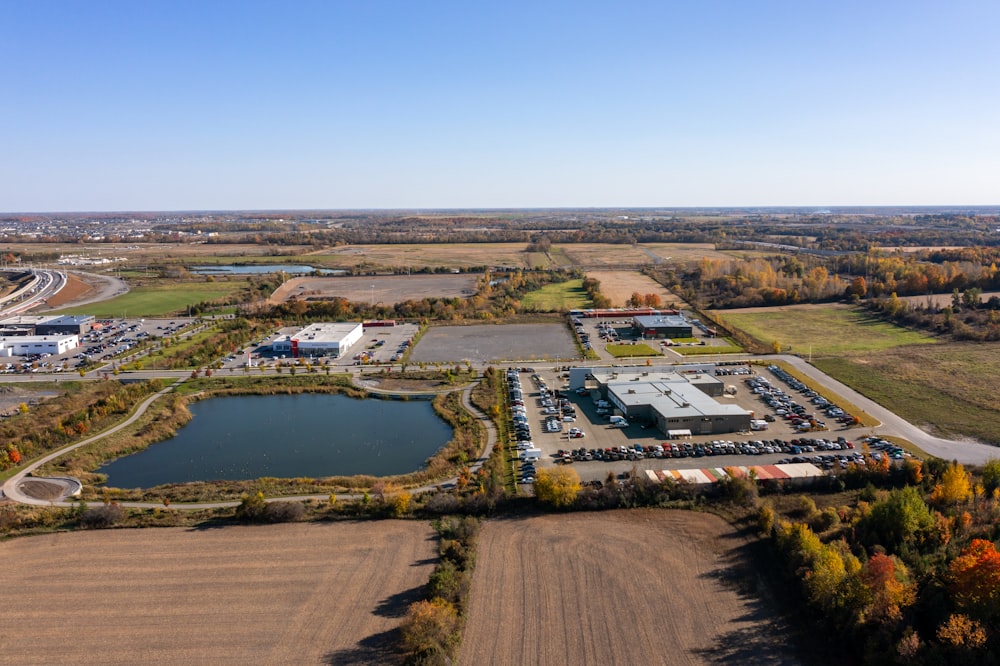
(65, 320)
(27, 320)
(655, 321)
(23, 339)
(326, 332)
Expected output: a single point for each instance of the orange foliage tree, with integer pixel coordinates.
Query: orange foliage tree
(975, 578)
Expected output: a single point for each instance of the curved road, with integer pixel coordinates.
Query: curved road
(966, 452)
(12, 488)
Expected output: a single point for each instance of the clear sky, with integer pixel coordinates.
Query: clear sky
(177, 105)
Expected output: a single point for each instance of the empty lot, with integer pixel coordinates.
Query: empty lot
(619, 587)
(380, 288)
(494, 342)
(279, 594)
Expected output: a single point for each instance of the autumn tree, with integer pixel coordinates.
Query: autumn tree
(961, 631)
(974, 577)
(558, 487)
(955, 486)
(889, 588)
(431, 629)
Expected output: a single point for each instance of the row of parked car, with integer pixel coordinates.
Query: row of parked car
(785, 406)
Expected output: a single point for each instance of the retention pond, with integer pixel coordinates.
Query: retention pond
(288, 436)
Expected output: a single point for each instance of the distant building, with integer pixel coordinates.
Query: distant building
(25, 345)
(320, 340)
(66, 325)
(662, 326)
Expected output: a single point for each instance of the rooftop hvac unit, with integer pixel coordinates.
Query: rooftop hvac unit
(631, 390)
(685, 404)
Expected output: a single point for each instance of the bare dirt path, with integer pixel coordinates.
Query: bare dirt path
(619, 587)
(305, 593)
(84, 288)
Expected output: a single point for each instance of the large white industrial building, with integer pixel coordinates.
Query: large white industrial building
(25, 345)
(320, 340)
(677, 399)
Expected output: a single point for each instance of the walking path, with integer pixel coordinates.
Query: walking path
(13, 491)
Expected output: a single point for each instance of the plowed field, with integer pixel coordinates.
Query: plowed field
(619, 587)
(281, 594)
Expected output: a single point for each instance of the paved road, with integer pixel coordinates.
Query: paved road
(12, 488)
(966, 452)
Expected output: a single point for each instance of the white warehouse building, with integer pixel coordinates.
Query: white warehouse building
(321, 340)
(23, 345)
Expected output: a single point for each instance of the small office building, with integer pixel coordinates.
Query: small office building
(662, 326)
(320, 340)
(65, 325)
(25, 345)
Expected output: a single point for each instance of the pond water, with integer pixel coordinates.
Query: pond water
(246, 269)
(286, 436)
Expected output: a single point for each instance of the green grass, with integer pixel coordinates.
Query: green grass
(158, 300)
(823, 331)
(630, 351)
(707, 350)
(949, 388)
(558, 297)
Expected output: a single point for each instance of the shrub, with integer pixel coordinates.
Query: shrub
(102, 516)
(283, 512)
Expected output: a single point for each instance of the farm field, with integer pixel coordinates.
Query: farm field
(558, 297)
(942, 300)
(598, 256)
(158, 300)
(301, 593)
(619, 286)
(381, 288)
(821, 330)
(949, 389)
(434, 255)
(619, 587)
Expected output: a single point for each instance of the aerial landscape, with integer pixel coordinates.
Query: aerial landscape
(567, 334)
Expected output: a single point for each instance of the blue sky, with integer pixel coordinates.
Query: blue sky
(384, 104)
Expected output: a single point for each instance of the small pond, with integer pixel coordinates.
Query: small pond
(247, 269)
(287, 436)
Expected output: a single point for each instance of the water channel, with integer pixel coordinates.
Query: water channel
(287, 436)
(253, 269)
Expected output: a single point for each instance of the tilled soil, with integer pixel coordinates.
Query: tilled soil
(619, 587)
(301, 593)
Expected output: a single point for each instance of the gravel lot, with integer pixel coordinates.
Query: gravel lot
(495, 343)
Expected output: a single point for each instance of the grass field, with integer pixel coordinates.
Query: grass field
(949, 388)
(821, 330)
(630, 351)
(707, 350)
(317, 593)
(159, 300)
(558, 297)
(617, 587)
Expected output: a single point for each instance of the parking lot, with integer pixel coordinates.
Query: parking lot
(494, 343)
(545, 399)
(109, 340)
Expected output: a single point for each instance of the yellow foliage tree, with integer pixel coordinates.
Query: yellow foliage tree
(431, 627)
(955, 486)
(558, 487)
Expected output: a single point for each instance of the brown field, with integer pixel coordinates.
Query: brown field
(620, 285)
(619, 587)
(387, 288)
(144, 252)
(303, 593)
(595, 256)
(941, 300)
(451, 255)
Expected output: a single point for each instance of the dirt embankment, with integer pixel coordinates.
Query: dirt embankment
(618, 587)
